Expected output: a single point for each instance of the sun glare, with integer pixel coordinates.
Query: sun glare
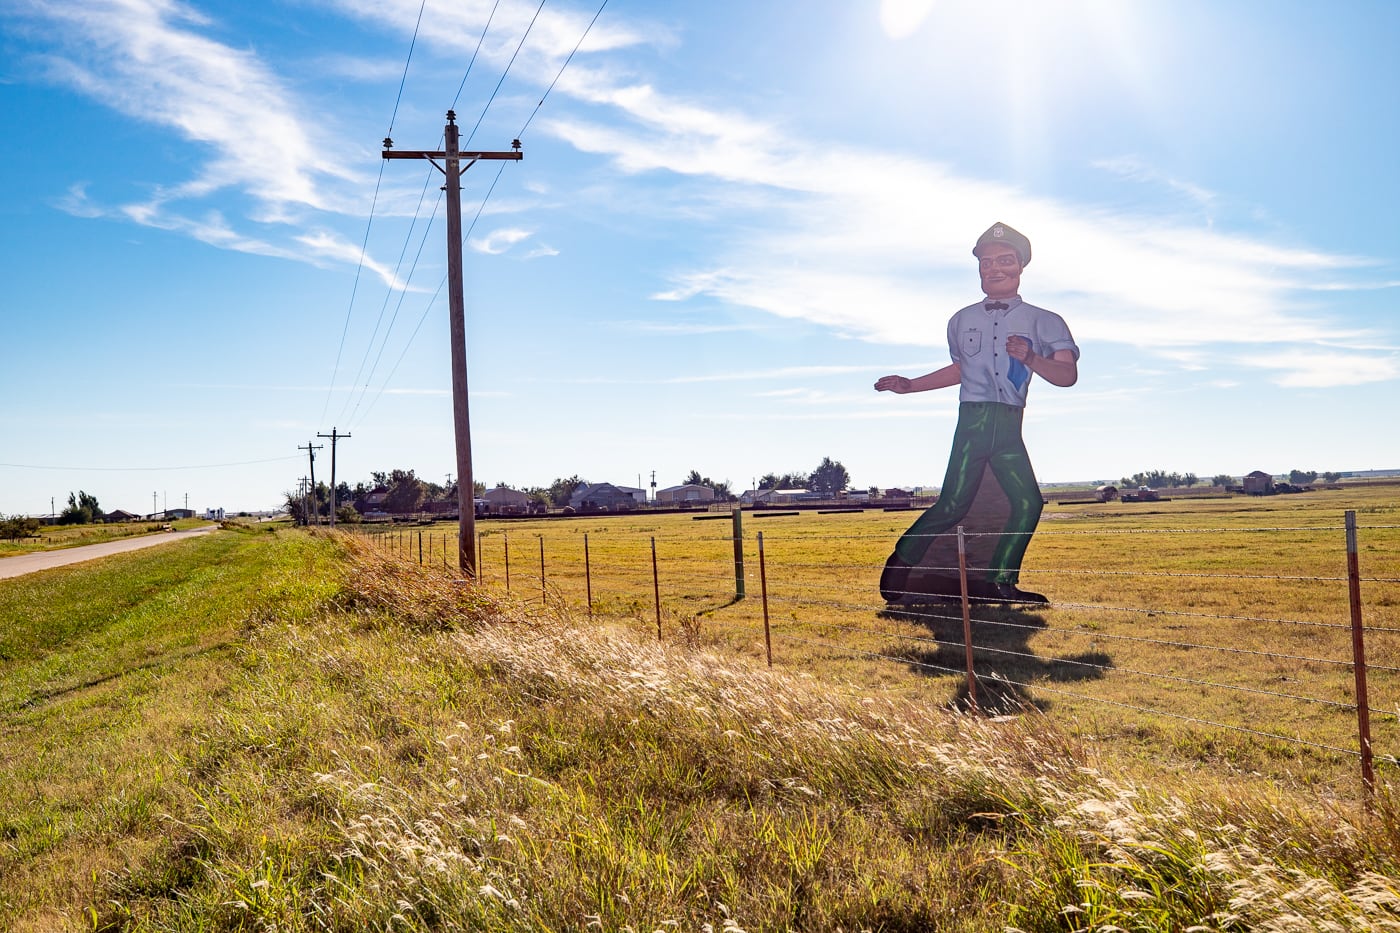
(902, 18)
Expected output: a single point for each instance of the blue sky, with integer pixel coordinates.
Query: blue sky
(730, 220)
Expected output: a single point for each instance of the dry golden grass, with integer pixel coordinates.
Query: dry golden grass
(1230, 616)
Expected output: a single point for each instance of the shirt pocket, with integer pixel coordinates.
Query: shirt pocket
(971, 343)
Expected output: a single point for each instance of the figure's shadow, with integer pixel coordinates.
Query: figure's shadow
(1004, 663)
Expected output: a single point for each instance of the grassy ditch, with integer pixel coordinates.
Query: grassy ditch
(57, 537)
(298, 733)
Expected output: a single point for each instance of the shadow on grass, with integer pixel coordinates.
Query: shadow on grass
(1005, 664)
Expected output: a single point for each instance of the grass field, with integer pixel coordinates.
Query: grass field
(1196, 608)
(54, 537)
(257, 731)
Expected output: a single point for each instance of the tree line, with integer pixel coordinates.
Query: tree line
(405, 492)
(1159, 479)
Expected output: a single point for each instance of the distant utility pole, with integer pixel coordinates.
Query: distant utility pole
(452, 171)
(311, 452)
(306, 500)
(334, 437)
(153, 503)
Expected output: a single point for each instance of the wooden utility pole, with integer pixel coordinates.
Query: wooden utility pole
(452, 169)
(311, 452)
(334, 437)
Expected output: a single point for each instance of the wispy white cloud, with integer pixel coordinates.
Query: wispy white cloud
(498, 241)
(1320, 369)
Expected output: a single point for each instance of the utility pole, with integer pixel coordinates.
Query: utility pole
(452, 171)
(311, 452)
(153, 503)
(334, 437)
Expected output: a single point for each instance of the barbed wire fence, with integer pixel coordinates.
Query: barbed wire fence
(1168, 639)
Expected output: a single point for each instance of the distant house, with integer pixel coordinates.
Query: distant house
(120, 515)
(604, 497)
(770, 496)
(372, 501)
(688, 494)
(1258, 483)
(506, 501)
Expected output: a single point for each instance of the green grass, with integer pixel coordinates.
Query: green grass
(289, 731)
(56, 537)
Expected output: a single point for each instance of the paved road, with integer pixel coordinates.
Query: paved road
(43, 560)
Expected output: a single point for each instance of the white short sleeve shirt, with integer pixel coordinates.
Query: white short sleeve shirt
(977, 343)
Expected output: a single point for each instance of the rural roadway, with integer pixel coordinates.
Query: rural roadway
(43, 560)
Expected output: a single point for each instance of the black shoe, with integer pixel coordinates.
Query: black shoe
(894, 581)
(1011, 593)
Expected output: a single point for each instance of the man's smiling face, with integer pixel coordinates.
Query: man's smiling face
(1000, 267)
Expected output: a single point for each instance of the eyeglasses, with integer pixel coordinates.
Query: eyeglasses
(1001, 262)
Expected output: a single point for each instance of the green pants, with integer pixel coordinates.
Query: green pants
(988, 434)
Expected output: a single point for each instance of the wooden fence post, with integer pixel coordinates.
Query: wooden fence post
(763, 587)
(967, 618)
(1358, 653)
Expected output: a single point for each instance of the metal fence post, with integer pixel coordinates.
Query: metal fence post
(506, 538)
(738, 553)
(544, 598)
(763, 588)
(587, 576)
(1358, 652)
(420, 549)
(967, 617)
(656, 587)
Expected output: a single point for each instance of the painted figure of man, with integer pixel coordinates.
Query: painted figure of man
(997, 345)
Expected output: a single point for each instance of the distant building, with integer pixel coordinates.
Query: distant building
(120, 515)
(1258, 483)
(689, 494)
(506, 501)
(605, 497)
(214, 515)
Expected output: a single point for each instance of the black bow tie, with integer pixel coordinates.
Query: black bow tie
(996, 306)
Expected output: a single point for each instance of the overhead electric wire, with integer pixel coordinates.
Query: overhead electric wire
(485, 29)
(369, 223)
(154, 469)
(424, 316)
(579, 44)
(510, 63)
(389, 292)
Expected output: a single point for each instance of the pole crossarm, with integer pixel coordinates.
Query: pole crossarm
(515, 156)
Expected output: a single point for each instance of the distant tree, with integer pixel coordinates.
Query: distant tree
(1189, 480)
(82, 510)
(562, 489)
(405, 492)
(1302, 477)
(347, 515)
(830, 478)
(17, 526)
(784, 481)
(1330, 477)
(1222, 479)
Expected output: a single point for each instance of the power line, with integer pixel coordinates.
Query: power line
(531, 118)
(518, 47)
(369, 223)
(479, 41)
(92, 469)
